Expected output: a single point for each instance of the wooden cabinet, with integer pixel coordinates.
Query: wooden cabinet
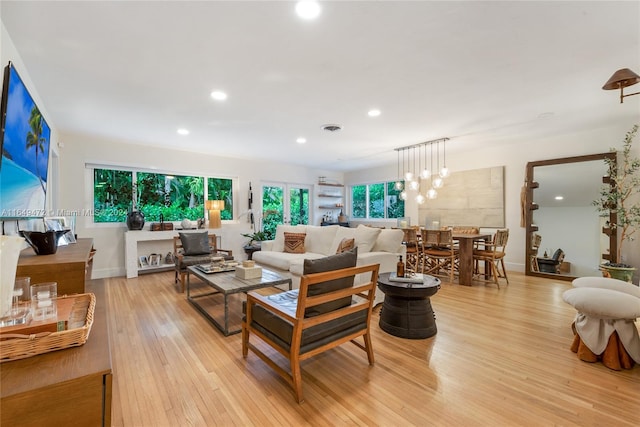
(68, 266)
(64, 387)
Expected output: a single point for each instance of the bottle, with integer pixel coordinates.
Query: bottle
(400, 268)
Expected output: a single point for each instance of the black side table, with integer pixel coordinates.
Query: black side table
(249, 250)
(406, 311)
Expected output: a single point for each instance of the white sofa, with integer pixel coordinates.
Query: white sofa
(375, 246)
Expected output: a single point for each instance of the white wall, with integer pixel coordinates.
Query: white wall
(514, 157)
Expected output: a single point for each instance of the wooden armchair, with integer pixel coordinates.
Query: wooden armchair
(182, 260)
(325, 312)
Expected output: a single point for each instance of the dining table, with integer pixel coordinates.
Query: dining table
(465, 262)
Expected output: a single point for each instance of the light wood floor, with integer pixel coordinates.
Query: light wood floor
(500, 358)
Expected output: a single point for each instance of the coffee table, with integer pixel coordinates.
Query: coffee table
(227, 284)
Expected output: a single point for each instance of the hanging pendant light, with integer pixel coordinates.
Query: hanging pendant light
(420, 199)
(426, 172)
(398, 185)
(444, 172)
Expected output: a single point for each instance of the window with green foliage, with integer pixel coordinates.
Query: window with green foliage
(380, 200)
(221, 189)
(175, 197)
(111, 195)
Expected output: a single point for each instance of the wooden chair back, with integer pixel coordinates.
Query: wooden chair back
(302, 342)
(465, 229)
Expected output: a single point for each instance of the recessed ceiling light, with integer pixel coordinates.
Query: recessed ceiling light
(374, 113)
(559, 198)
(183, 131)
(301, 140)
(218, 95)
(308, 9)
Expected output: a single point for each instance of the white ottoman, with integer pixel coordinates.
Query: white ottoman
(604, 306)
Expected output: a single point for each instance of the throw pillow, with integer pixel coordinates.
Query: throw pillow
(278, 240)
(330, 263)
(294, 243)
(195, 243)
(366, 237)
(320, 238)
(346, 245)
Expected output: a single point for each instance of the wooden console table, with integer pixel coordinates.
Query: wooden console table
(64, 387)
(68, 266)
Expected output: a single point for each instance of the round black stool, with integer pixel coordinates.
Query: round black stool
(406, 310)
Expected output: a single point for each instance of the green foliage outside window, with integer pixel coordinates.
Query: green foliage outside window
(359, 201)
(395, 205)
(372, 201)
(222, 189)
(299, 205)
(376, 201)
(175, 197)
(111, 195)
(272, 209)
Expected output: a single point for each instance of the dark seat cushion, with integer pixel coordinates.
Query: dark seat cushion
(195, 243)
(281, 331)
(333, 262)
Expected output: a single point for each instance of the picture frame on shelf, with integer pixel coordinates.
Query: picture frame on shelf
(143, 261)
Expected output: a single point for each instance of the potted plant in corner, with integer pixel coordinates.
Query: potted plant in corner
(622, 197)
(255, 239)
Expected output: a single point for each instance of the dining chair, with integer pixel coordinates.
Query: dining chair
(536, 241)
(439, 253)
(492, 254)
(410, 241)
(326, 311)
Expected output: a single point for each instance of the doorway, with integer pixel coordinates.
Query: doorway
(284, 203)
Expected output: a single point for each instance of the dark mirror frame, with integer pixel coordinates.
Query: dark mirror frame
(530, 207)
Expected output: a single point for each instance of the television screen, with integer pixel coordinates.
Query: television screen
(24, 139)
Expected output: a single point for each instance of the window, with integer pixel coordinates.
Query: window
(175, 197)
(380, 200)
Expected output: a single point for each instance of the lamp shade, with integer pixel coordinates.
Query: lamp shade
(621, 78)
(214, 207)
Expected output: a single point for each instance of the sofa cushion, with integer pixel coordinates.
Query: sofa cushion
(279, 260)
(389, 240)
(294, 243)
(366, 237)
(278, 241)
(346, 245)
(330, 263)
(195, 243)
(319, 239)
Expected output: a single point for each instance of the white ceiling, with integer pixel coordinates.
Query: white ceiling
(478, 72)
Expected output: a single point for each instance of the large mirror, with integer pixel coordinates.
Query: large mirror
(566, 238)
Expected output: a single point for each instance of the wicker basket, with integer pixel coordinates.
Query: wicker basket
(16, 346)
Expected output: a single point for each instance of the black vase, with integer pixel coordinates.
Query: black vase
(135, 220)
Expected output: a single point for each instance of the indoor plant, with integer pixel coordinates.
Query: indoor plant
(258, 236)
(622, 197)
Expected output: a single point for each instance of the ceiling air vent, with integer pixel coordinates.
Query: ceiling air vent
(332, 128)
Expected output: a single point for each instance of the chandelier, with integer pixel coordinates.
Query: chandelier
(418, 171)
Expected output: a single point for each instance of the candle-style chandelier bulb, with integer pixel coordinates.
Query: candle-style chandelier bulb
(438, 182)
(432, 193)
(414, 185)
(420, 199)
